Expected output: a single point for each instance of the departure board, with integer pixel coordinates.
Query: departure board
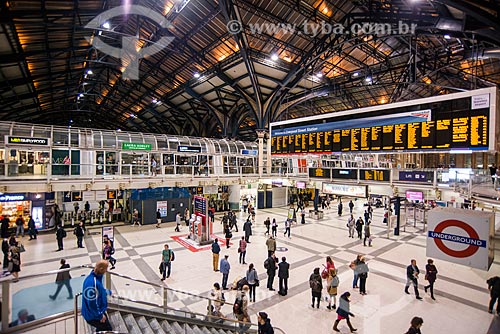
(312, 142)
(464, 130)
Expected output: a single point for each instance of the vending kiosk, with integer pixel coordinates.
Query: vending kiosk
(201, 228)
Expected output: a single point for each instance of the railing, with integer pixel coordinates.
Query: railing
(51, 314)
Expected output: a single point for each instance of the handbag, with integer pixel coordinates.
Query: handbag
(10, 266)
(257, 282)
(21, 248)
(161, 268)
(239, 250)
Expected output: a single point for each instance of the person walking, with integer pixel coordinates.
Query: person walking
(283, 275)
(332, 283)
(79, 233)
(158, 218)
(264, 324)
(351, 206)
(362, 270)
(271, 265)
(86, 207)
(351, 225)
(430, 276)
(167, 256)
(5, 251)
(242, 249)
(136, 218)
(60, 235)
(253, 281)
(215, 254)
(494, 287)
(367, 234)
(178, 222)
(493, 171)
(316, 285)
(340, 208)
(228, 235)
(247, 228)
(274, 228)
(415, 325)
(287, 228)
(4, 228)
(271, 245)
(343, 312)
(267, 223)
(94, 298)
(32, 229)
(107, 252)
(302, 216)
(216, 293)
(225, 267)
(63, 279)
(412, 278)
(240, 309)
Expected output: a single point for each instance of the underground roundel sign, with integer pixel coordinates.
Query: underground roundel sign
(459, 236)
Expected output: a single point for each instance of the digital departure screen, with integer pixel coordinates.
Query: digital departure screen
(461, 125)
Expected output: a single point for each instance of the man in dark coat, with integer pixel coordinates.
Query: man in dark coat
(264, 324)
(271, 270)
(79, 233)
(5, 251)
(5, 227)
(283, 274)
(32, 229)
(62, 279)
(494, 287)
(60, 235)
(247, 228)
(412, 272)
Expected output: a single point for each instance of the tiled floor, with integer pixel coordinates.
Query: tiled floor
(461, 292)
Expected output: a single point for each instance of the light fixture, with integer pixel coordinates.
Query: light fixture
(355, 74)
(274, 57)
(196, 75)
(447, 36)
(80, 95)
(368, 79)
(155, 101)
(106, 25)
(89, 72)
(319, 75)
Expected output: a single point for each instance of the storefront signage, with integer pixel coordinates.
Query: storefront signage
(76, 196)
(345, 190)
(12, 197)
(101, 195)
(189, 149)
(320, 172)
(162, 206)
(249, 152)
(111, 194)
(416, 176)
(461, 236)
(136, 146)
(27, 141)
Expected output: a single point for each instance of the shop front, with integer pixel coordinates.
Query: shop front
(25, 156)
(23, 205)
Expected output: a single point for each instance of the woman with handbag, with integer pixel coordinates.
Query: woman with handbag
(242, 249)
(430, 276)
(15, 262)
(331, 288)
(253, 281)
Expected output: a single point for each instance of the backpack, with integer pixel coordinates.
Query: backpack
(335, 282)
(314, 284)
(238, 306)
(266, 264)
(64, 234)
(112, 251)
(173, 255)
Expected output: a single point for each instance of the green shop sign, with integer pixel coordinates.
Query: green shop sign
(136, 146)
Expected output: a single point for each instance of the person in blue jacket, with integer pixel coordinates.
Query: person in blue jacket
(94, 301)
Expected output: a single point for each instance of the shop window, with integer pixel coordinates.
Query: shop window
(60, 138)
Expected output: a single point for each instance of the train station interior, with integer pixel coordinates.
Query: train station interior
(167, 123)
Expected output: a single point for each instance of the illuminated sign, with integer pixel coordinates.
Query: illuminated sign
(27, 141)
(136, 146)
(345, 190)
(250, 152)
(12, 197)
(189, 149)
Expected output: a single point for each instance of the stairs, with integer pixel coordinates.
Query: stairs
(125, 319)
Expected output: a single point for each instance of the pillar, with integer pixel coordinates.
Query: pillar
(268, 154)
(260, 135)
(234, 197)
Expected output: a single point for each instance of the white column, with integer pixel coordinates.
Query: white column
(268, 153)
(260, 135)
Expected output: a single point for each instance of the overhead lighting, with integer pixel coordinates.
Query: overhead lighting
(80, 95)
(196, 75)
(274, 57)
(355, 74)
(447, 36)
(368, 79)
(89, 72)
(106, 25)
(118, 129)
(319, 75)
(154, 101)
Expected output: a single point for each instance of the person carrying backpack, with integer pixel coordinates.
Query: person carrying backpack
(60, 235)
(167, 256)
(240, 308)
(332, 282)
(344, 312)
(316, 286)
